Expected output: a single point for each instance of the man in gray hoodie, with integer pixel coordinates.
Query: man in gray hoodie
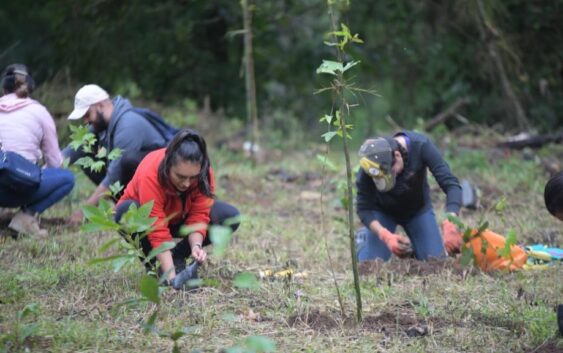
(116, 125)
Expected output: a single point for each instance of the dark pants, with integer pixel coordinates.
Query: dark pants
(222, 213)
(55, 184)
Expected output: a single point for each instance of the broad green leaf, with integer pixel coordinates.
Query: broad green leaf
(162, 248)
(327, 118)
(220, 236)
(29, 309)
(246, 280)
(105, 259)
(84, 162)
(115, 154)
(102, 153)
(501, 205)
(329, 135)
(149, 289)
(329, 67)
(148, 326)
(188, 229)
(105, 246)
(28, 330)
(116, 188)
(119, 263)
(350, 65)
(97, 166)
(510, 241)
(327, 162)
(467, 256)
(98, 225)
(260, 344)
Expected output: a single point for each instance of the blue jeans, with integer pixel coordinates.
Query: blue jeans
(55, 184)
(422, 231)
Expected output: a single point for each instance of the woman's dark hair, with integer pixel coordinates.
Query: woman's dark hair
(553, 194)
(16, 79)
(187, 146)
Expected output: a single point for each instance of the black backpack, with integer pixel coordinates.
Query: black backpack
(166, 130)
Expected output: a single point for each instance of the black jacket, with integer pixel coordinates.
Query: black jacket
(411, 193)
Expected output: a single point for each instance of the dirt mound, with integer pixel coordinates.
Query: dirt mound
(316, 320)
(393, 323)
(412, 267)
(549, 347)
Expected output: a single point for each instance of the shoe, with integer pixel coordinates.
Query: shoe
(27, 224)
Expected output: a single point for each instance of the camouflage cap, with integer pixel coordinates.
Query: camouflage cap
(378, 150)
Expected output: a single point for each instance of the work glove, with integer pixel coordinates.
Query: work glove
(452, 237)
(182, 277)
(398, 244)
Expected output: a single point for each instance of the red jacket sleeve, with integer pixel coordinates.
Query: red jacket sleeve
(150, 190)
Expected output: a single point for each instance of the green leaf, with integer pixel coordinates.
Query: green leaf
(467, 256)
(246, 280)
(149, 289)
(105, 259)
(148, 326)
(120, 262)
(105, 246)
(327, 162)
(328, 118)
(167, 245)
(510, 241)
(115, 154)
(116, 188)
(501, 205)
(29, 309)
(329, 135)
(329, 67)
(220, 236)
(260, 344)
(97, 166)
(350, 65)
(102, 153)
(188, 229)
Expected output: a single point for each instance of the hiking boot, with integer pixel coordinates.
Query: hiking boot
(27, 224)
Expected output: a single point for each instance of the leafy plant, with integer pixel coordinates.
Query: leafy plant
(135, 224)
(340, 86)
(15, 341)
(81, 137)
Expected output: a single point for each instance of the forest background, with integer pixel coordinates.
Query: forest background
(420, 56)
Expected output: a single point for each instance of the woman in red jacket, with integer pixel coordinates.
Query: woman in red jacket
(180, 182)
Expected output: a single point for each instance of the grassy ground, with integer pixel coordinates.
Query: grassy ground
(407, 306)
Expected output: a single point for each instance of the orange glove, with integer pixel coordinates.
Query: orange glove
(398, 244)
(452, 237)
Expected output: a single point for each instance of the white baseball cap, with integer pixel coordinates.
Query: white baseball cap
(85, 97)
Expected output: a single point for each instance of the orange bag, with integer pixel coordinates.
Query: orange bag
(491, 260)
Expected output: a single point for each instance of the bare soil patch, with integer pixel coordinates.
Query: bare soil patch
(412, 267)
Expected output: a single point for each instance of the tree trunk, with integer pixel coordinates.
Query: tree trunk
(488, 35)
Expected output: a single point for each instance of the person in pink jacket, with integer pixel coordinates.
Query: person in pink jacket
(27, 128)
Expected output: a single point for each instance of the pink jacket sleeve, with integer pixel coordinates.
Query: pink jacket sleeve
(49, 143)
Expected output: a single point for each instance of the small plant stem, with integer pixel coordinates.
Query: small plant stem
(339, 85)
